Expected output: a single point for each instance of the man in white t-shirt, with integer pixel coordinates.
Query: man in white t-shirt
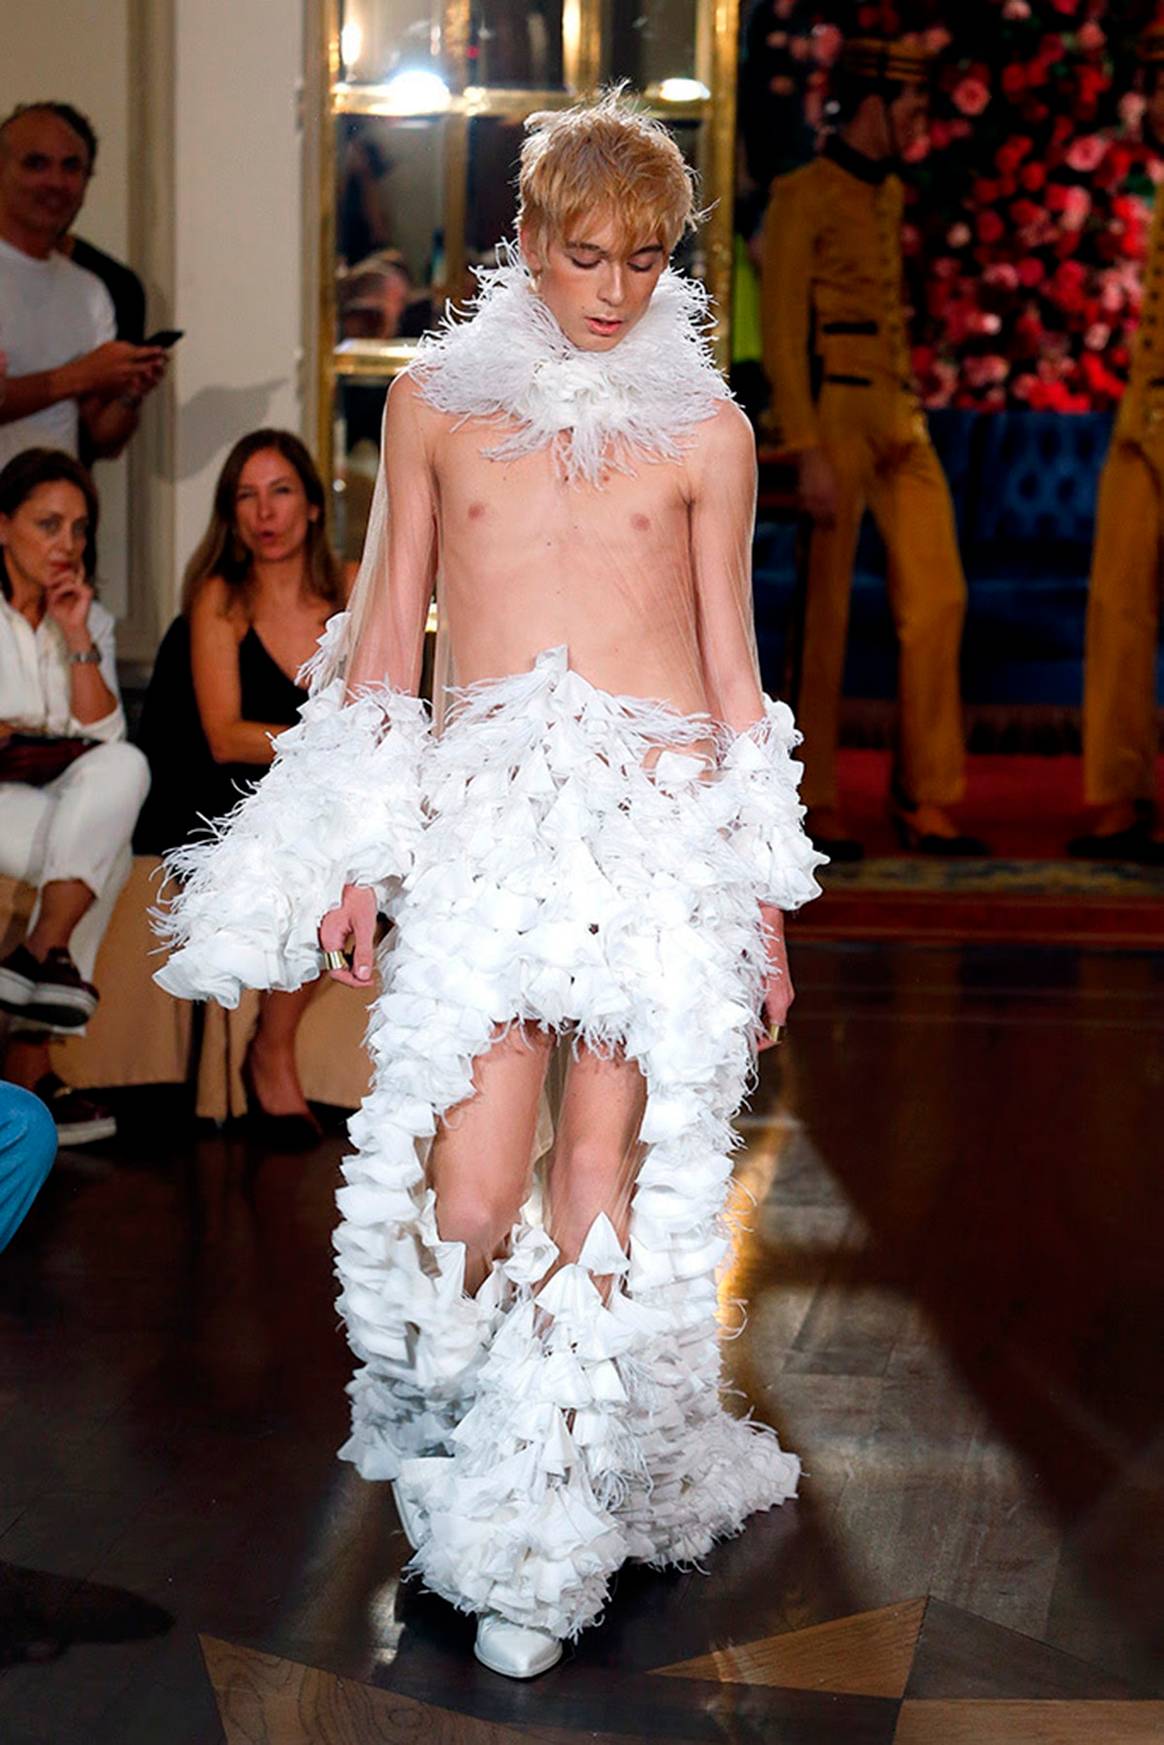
(65, 367)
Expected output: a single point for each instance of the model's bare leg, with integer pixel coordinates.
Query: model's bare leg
(480, 1163)
(596, 1151)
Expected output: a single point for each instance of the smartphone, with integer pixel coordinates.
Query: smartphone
(165, 337)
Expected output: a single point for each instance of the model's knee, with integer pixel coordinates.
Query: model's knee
(466, 1213)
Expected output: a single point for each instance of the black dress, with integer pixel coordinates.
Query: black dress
(187, 785)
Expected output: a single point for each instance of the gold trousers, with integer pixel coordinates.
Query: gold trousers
(878, 446)
(1123, 617)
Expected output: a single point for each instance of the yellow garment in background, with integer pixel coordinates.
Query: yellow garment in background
(832, 307)
(1123, 607)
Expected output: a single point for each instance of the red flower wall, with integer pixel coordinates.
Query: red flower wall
(1028, 203)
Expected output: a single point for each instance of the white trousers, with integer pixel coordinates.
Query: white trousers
(77, 827)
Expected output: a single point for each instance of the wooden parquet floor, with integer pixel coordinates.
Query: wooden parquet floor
(952, 1271)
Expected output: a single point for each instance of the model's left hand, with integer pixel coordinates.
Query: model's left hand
(67, 601)
(778, 990)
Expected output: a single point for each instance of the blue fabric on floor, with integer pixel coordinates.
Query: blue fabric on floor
(28, 1145)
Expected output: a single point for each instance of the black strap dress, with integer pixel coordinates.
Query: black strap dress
(188, 786)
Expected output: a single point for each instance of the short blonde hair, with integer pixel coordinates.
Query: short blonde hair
(610, 157)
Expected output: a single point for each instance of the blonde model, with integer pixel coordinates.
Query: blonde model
(592, 844)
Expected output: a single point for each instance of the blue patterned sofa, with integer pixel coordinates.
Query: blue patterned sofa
(1024, 487)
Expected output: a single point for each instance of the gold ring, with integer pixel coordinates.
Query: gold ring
(777, 1032)
(336, 959)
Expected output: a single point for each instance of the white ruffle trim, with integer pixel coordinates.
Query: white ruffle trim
(512, 365)
(767, 822)
(540, 1434)
(340, 804)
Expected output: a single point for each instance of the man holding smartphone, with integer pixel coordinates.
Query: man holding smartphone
(71, 383)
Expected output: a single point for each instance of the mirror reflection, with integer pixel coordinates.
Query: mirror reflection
(389, 226)
(516, 46)
(381, 38)
(655, 44)
(358, 411)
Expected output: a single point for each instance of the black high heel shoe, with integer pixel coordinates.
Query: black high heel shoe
(296, 1133)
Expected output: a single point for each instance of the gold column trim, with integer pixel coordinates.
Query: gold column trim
(722, 168)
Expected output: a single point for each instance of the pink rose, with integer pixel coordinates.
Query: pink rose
(1111, 294)
(1089, 36)
(971, 96)
(1016, 9)
(1131, 108)
(1076, 208)
(1003, 274)
(1087, 152)
(1097, 336)
(958, 235)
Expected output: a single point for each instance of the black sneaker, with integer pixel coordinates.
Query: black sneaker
(19, 974)
(61, 999)
(79, 1120)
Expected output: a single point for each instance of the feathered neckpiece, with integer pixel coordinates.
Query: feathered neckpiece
(509, 363)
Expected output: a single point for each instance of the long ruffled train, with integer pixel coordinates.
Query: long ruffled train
(541, 1432)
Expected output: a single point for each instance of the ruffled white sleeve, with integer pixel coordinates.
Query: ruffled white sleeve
(341, 804)
(765, 816)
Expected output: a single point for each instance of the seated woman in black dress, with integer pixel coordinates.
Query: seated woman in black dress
(257, 593)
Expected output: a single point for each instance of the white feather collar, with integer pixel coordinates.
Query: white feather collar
(510, 363)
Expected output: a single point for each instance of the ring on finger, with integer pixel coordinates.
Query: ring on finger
(777, 1032)
(337, 960)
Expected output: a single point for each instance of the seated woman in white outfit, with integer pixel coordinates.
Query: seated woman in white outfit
(66, 813)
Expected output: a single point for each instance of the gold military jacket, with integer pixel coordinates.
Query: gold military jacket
(831, 283)
(1141, 412)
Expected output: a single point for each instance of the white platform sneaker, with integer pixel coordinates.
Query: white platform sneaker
(514, 1650)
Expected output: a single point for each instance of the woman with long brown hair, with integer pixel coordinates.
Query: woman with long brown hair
(258, 591)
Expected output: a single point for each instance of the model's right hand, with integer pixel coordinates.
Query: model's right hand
(818, 487)
(119, 368)
(354, 921)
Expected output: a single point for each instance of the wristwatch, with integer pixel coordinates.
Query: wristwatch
(85, 657)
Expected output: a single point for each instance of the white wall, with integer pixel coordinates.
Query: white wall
(77, 51)
(200, 188)
(238, 237)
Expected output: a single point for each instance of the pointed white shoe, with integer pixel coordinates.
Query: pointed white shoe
(407, 1514)
(514, 1650)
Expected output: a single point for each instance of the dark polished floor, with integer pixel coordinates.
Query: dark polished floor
(956, 1307)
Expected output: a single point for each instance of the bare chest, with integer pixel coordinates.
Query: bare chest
(502, 504)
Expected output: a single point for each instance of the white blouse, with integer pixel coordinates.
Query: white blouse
(35, 675)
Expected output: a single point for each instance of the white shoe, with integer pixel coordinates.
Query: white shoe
(514, 1650)
(408, 1515)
